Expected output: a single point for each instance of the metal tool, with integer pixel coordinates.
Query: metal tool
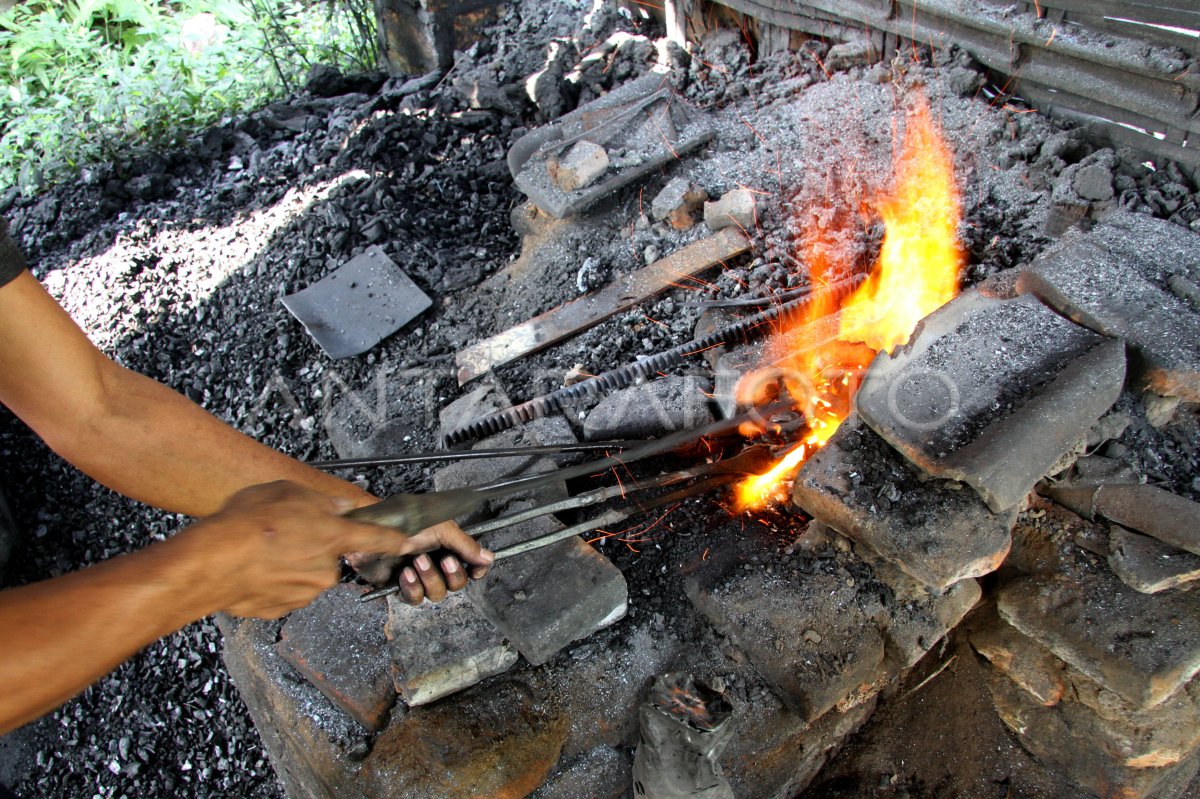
(442, 456)
(603, 520)
(411, 513)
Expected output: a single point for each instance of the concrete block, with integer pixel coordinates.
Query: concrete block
(583, 164)
(1022, 660)
(489, 741)
(1142, 647)
(545, 599)
(813, 640)
(992, 393)
(1057, 742)
(735, 207)
(1115, 280)
(916, 618)
(338, 644)
(1147, 564)
(864, 489)
(440, 649)
(651, 409)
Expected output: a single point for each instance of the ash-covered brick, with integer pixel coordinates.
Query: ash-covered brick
(338, 644)
(735, 207)
(917, 618)
(992, 393)
(813, 639)
(939, 532)
(1140, 646)
(1024, 661)
(1147, 564)
(545, 599)
(651, 409)
(491, 741)
(581, 166)
(439, 649)
(1116, 279)
(1057, 743)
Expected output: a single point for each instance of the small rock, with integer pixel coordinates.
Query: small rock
(1160, 411)
(1094, 183)
(581, 166)
(735, 207)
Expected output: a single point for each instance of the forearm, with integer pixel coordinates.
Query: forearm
(61, 635)
(157, 446)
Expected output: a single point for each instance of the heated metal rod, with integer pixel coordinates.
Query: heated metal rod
(411, 513)
(615, 516)
(748, 461)
(441, 456)
(608, 517)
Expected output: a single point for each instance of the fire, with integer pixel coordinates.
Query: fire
(821, 359)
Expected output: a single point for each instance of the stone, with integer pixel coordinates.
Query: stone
(484, 400)
(298, 725)
(582, 165)
(1170, 518)
(766, 616)
(1053, 741)
(1114, 280)
(602, 773)
(861, 487)
(1160, 411)
(338, 644)
(677, 203)
(915, 618)
(1093, 182)
(849, 54)
(439, 649)
(490, 741)
(1022, 660)
(1140, 646)
(651, 409)
(543, 600)
(735, 207)
(1148, 565)
(992, 393)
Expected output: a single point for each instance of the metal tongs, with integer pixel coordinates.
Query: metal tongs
(411, 513)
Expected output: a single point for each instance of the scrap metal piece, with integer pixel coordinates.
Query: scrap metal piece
(577, 315)
(641, 126)
(358, 305)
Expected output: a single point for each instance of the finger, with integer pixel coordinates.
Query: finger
(431, 578)
(411, 590)
(373, 568)
(450, 536)
(452, 571)
(479, 572)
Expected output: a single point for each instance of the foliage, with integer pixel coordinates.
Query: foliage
(83, 78)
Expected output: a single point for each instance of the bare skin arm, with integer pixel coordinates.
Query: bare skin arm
(270, 550)
(144, 440)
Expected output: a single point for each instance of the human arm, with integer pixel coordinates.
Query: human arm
(270, 550)
(148, 442)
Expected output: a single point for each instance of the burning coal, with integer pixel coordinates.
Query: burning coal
(820, 359)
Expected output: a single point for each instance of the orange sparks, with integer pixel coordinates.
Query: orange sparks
(820, 360)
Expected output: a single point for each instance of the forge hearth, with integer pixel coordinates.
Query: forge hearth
(918, 520)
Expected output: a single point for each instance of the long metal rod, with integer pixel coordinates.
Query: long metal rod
(608, 517)
(748, 461)
(442, 456)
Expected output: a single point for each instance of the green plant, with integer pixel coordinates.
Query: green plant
(85, 78)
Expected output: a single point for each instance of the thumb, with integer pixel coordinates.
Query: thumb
(372, 538)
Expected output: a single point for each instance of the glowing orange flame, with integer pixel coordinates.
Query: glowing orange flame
(820, 360)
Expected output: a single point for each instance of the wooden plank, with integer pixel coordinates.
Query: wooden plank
(578, 315)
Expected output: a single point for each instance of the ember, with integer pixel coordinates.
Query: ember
(917, 272)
